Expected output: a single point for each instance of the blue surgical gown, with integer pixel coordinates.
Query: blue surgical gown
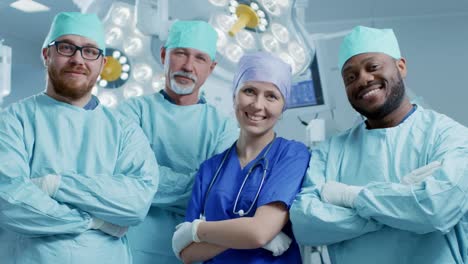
(182, 137)
(287, 161)
(107, 171)
(392, 222)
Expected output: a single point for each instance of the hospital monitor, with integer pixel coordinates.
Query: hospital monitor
(309, 89)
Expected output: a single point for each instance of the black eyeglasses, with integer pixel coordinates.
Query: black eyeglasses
(68, 49)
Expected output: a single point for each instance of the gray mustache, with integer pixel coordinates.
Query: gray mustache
(184, 74)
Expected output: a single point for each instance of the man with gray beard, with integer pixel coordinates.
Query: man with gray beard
(183, 131)
(394, 188)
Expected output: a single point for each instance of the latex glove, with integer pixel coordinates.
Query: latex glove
(108, 228)
(420, 174)
(340, 194)
(49, 183)
(185, 234)
(279, 244)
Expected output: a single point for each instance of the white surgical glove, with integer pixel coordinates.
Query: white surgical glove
(48, 184)
(279, 244)
(108, 228)
(184, 235)
(340, 194)
(420, 174)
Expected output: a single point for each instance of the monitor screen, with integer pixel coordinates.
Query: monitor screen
(307, 89)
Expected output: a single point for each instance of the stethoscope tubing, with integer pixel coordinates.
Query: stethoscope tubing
(217, 173)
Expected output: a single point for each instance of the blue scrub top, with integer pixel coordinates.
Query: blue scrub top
(288, 161)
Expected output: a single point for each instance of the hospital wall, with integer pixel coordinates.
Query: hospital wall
(435, 48)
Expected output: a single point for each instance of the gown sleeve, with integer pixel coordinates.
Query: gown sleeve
(436, 204)
(24, 208)
(318, 223)
(123, 198)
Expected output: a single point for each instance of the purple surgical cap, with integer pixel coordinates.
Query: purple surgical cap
(264, 67)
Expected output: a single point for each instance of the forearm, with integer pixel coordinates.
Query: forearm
(246, 232)
(317, 223)
(175, 189)
(197, 252)
(29, 211)
(118, 199)
(418, 208)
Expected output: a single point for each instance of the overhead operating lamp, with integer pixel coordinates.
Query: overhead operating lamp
(269, 25)
(130, 68)
(243, 26)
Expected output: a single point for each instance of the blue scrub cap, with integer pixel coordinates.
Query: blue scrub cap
(364, 40)
(264, 67)
(74, 23)
(193, 34)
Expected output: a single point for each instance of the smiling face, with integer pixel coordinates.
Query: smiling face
(186, 70)
(374, 84)
(71, 77)
(258, 105)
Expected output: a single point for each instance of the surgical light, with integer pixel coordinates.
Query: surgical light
(132, 90)
(286, 58)
(247, 18)
(124, 76)
(142, 72)
(130, 62)
(234, 52)
(245, 39)
(283, 3)
(121, 16)
(102, 83)
(280, 32)
(221, 39)
(133, 46)
(267, 25)
(254, 6)
(111, 75)
(269, 43)
(297, 52)
(158, 82)
(219, 2)
(123, 60)
(116, 54)
(125, 67)
(225, 22)
(113, 35)
(271, 7)
(108, 99)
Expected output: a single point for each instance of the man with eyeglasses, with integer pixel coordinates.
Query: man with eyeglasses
(73, 174)
(183, 130)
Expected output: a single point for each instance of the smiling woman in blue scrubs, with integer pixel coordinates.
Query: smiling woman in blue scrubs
(238, 212)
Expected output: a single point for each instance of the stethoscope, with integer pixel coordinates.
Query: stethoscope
(263, 162)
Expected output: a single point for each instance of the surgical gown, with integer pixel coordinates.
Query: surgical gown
(182, 137)
(107, 171)
(425, 222)
(287, 164)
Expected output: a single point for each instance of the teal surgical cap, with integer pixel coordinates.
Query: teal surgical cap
(193, 34)
(364, 40)
(74, 23)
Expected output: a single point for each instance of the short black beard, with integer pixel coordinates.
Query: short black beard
(391, 104)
